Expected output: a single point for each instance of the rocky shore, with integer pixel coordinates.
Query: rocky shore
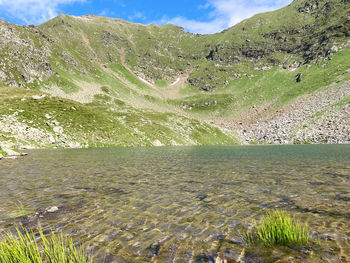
(20, 135)
(321, 117)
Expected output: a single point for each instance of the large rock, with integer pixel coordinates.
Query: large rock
(157, 143)
(11, 152)
(58, 129)
(52, 139)
(52, 209)
(74, 145)
(38, 97)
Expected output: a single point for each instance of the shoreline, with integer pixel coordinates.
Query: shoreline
(15, 154)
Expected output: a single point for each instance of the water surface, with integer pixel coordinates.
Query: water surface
(182, 204)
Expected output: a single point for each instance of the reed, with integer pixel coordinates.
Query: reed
(52, 249)
(279, 228)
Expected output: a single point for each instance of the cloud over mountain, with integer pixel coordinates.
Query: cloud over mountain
(225, 13)
(33, 11)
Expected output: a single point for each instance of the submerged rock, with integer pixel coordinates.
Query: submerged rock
(154, 248)
(52, 209)
(34, 219)
(225, 259)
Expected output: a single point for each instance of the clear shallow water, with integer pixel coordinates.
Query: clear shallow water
(183, 204)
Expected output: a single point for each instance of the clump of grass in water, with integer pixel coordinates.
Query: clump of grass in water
(21, 211)
(279, 228)
(53, 249)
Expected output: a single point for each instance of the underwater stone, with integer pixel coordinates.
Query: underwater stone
(52, 209)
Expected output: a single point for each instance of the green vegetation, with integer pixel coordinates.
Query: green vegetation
(52, 249)
(272, 89)
(279, 228)
(243, 74)
(2, 152)
(21, 211)
(161, 83)
(96, 124)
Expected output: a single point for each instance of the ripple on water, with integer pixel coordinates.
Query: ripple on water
(183, 204)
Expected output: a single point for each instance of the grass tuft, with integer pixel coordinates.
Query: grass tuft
(21, 211)
(279, 228)
(53, 249)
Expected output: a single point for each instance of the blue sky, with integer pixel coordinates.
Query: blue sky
(197, 16)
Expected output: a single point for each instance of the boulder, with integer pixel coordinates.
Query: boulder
(38, 97)
(298, 77)
(74, 145)
(52, 139)
(51, 209)
(11, 153)
(58, 129)
(157, 143)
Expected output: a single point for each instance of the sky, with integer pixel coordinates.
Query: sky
(196, 16)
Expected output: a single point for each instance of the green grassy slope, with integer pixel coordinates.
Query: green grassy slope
(119, 74)
(302, 32)
(271, 89)
(94, 124)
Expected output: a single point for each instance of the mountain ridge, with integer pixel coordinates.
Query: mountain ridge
(226, 81)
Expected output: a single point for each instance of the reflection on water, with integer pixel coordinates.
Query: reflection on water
(183, 204)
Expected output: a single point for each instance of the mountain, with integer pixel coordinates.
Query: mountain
(278, 77)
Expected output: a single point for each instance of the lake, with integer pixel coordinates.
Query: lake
(182, 204)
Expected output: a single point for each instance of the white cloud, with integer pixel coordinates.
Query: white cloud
(225, 13)
(33, 11)
(137, 16)
(199, 27)
(104, 12)
(237, 10)
(222, 14)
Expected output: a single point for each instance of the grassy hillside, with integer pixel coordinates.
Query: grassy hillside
(111, 82)
(31, 118)
(270, 90)
(302, 32)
